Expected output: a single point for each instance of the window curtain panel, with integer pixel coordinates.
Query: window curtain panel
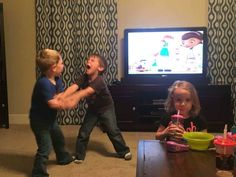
(77, 28)
(222, 44)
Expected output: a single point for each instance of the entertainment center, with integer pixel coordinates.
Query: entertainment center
(139, 107)
(156, 57)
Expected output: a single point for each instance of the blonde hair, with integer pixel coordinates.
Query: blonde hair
(46, 58)
(169, 104)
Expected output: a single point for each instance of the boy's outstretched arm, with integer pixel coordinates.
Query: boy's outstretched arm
(55, 103)
(70, 90)
(72, 100)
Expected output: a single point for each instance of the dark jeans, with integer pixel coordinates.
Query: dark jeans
(48, 135)
(109, 124)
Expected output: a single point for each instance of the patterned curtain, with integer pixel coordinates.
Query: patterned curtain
(78, 28)
(222, 43)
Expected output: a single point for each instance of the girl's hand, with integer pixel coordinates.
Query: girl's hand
(175, 130)
(171, 130)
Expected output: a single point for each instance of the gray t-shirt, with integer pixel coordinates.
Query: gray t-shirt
(101, 100)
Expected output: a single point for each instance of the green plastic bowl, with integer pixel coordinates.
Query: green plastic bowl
(198, 140)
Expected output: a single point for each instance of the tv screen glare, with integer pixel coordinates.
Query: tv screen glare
(165, 51)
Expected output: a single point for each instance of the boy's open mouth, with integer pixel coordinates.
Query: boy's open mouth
(88, 67)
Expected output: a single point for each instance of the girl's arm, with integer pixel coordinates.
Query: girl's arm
(162, 133)
(171, 130)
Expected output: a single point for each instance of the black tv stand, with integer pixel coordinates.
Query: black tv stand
(139, 107)
(164, 80)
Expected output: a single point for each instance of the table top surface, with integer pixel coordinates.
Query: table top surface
(155, 161)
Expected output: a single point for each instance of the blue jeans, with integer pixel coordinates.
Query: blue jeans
(109, 124)
(48, 135)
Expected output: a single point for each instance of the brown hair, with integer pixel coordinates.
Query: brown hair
(169, 104)
(192, 34)
(102, 62)
(46, 58)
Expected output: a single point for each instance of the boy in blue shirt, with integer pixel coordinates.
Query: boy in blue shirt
(43, 112)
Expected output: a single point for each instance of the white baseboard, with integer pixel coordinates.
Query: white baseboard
(18, 119)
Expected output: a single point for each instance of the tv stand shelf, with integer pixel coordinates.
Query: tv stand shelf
(139, 107)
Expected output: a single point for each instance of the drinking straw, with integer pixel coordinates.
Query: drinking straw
(225, 134)
(178, 112)
(225, 131)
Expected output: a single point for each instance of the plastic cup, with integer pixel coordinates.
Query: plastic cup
(231, 136)
(224, 153)
(177, 119)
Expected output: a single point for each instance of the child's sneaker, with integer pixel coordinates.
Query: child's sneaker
(68, 161)
(128, 156)
(78, 161)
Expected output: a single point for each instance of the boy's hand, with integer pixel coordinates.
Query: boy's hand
(61, 102)
(67, 104)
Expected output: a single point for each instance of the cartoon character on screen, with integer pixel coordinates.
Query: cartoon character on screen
(164, 53)
(164, 50)
(192, 41)
(142, 66)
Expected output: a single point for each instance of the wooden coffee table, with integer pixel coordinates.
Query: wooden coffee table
(155, 161)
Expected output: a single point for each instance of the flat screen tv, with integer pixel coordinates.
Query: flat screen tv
(165, 54)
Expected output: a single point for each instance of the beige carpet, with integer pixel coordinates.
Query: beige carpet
(17, 149)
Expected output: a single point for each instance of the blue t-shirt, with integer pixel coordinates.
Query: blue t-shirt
(44, 91)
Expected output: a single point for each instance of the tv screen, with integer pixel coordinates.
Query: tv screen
(166, 52)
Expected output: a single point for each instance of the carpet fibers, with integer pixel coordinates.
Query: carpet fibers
(18, 148)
